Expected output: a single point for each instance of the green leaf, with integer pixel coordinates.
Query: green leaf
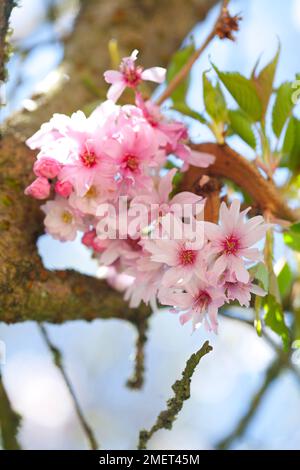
(242, 126)
(243, 91)
(295, 227)
(178, 60)
(289, 137)
(292, 160)
(260, 272)
(264, 81)
(183, 108)
(274, 319)
(292, 237)
(214, 101)
(285, 280)
(283, 107)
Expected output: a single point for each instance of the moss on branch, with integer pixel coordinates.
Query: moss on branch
(182, 391)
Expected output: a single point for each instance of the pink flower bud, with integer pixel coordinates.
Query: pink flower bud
(91, 240)
(39, 188)
(47, 167)
(98, 245)
(63, 188)
(88, 238)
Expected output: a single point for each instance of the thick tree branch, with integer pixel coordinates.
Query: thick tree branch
(232, 166)
(27, 290)
(6, 7)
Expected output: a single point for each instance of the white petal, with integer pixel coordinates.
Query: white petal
(154, 74)
(115, 91)
(201, 159)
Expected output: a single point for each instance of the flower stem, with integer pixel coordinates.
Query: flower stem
(183, 73)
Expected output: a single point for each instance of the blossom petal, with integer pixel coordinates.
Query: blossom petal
(154, 74)
(113, 76)
(165, 185)
(115, 91)
(257, 290)
(170, 277)
(213, 231)
(239, 269)
(201, 159)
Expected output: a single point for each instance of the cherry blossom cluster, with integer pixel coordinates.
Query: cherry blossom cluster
(106, 176)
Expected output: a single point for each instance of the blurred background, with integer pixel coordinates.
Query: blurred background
(98, 356)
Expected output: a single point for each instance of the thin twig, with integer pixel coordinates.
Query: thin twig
(271, 375)
(285, 357)
(9, 421)
(137, 380)
(182, 391)
(57, 358)
(183, 73)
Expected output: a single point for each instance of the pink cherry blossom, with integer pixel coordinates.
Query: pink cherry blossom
(49, 132)
(116, 249)
(147, 277)
(242, 291)
(144, 288)
(232, 241)
(130, 75)
(88, 166)
(89, 202)
(61, 221)
(39, 188)
(133, 154)
(199, 301)
(181, 258)
(108, 175)
(173, 136)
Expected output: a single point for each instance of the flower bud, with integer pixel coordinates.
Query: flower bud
(63, 188)
(47, 167)
(39, 188)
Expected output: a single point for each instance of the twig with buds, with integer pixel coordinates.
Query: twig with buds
(223, 28)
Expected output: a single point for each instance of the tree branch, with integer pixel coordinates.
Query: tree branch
(232, 166)
(6, 7)
(137, 380)
(182, 391)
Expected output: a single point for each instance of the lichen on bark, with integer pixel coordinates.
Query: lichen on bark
(182, 391)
